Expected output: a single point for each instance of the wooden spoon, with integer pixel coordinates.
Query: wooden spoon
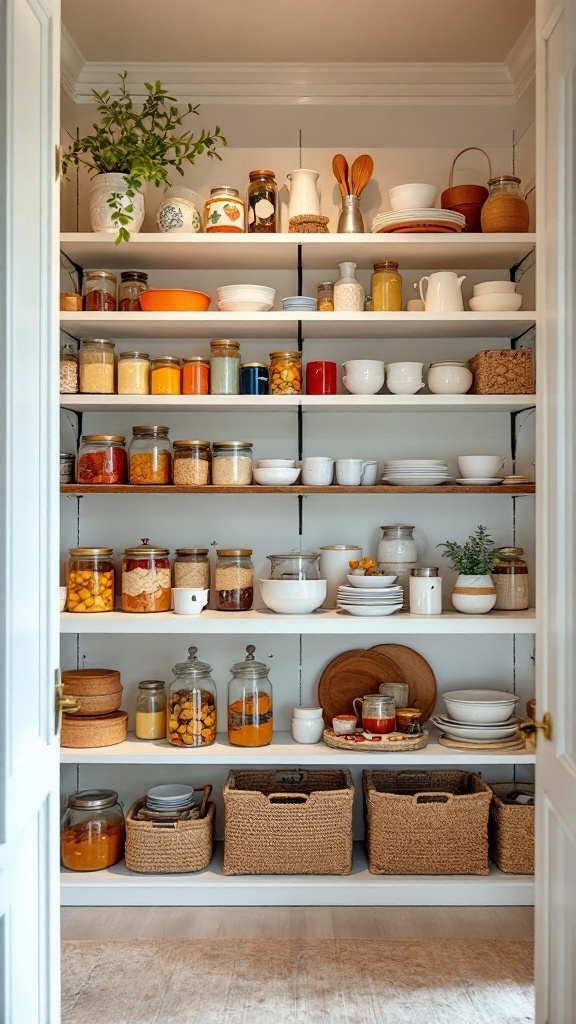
(360, 173)
(340, 169)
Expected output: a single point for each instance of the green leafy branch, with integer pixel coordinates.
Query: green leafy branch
(473, 558)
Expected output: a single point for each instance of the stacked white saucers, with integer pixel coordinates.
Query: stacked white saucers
(170, 798)
(416, 472)
(419, 220)
(478, 715)
(300, 303)
(371, 601)
(245, 298)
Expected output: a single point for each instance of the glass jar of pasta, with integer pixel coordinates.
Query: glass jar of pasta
(102, 459)
(93, 830)
(234, 580)
(250, 722)
(150, 456)
(90, 580)
(133, 373)
(192, 704)
(97, 367)
(192, 568)
(232, 463)
(165, 375)
(146, 579)
(285, 373)
(191, 463)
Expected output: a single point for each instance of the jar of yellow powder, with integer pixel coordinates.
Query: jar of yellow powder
(151, 710)
(165, 376)
(386, 287)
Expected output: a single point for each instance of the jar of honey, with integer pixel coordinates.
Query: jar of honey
(93, 830)
(165, 375)
(250, 721)
(151, 706)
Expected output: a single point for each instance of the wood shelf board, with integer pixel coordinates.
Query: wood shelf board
(294, 489)
(308, 403)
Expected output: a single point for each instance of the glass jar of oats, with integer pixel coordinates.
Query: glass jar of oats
(192, 568)
(97, 367)
(133, 373)
(191, 463)
(150, 456)
(234, 580)
(232, 463)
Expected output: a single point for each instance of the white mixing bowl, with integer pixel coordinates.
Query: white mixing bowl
(293, 597)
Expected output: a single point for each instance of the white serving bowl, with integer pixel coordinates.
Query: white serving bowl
(486, 707)
(363, 376)
(494, 286)
(243, 306)
(496, 302)
(276, 464)
(414, 196)
(63, 592)
(293, 597)
(275, 477)
(480, 465)
(250, 291)
(370, 582)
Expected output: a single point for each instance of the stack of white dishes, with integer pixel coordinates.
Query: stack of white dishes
(170, 800)
(479, 715)
(245, 298)
(300, 303)
(415, 472)
(370, 601)
(495, 297)
(419, 220)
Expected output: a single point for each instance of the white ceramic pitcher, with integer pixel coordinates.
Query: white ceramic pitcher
(444, 292)
(304, 195)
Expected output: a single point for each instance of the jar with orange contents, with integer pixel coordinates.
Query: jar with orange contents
(93, 831)
(195, 376)
(165, 375)
(250, 720)
(285, 373)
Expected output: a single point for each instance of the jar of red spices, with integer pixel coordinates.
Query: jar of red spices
(102, 459)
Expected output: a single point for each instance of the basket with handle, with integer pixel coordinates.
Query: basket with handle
(426, 823)
(466, 199)
(158, 847)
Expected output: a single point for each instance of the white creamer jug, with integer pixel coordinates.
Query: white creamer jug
(444, 292)
(304, 196)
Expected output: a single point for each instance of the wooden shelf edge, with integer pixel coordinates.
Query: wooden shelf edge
(294, 489)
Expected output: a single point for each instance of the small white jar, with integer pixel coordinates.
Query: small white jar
(307, 730)
(425, 591)
(449, 377)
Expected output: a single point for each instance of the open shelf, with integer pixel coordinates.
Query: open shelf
(294, 489)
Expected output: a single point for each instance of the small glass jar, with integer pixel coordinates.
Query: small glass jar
(377, 711)
(348, 292)
(511, 580)
(90, 580)
(192, 704)
(93, 830)
(224, 367)
(224, 211)
(102, 459)
(97, 367)
(250, 717)
(165, 375)
(99, 292)
(386, 287)
(150, 456)
(232, 463)
(67, 464)
(285, 373)
(325, 297)
(69, 379)
(150, 722)
(234, 580)
(191, 463)
(195, 376)
(146, 579)
(192, 568)
(262, 202)
(132, 284)
(505, 209)
(254, 379)
(133, 373)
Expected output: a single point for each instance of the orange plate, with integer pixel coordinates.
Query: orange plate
(174, 300)
(436, 228)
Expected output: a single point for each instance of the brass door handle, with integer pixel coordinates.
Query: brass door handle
(530, 730)
(63, 704)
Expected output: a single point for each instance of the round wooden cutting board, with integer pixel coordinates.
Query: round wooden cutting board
(354, 674)
(417, 673)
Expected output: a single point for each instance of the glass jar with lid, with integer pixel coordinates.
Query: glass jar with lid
(295, 565)
(192, 704)
(195, 376)
(232, 463)
(97, 367)
(192, 463)
(133, 373)
(165, 375)
(192, 568)
(146, 579)
(69, 378)
(99, 292)
(224, 367)
(285, 373)
(511, 580)
(102, 459)
(262, 202)
(90, 580)
(386, 287)
(325, 297)
(150, 721)
(224, 210)
(234, 580)
(132, 284)
(93, 830)
(250, 718)
(254, 379)
(505, 209)
(67, 465)
(150, 456)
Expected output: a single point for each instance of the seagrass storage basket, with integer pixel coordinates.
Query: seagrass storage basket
(161, 849)
(426, 823)
(512, 830)
(503, 372)
(288, 823)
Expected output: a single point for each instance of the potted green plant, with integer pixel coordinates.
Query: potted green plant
(474, 591)
(130, 147)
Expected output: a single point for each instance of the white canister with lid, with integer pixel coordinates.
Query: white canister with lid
(334, 568)
(449, 377)
(397, 544)
(425, 591)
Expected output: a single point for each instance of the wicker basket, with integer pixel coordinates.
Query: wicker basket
(511, 830)
(161, 849)
(426, 823)
(288, 823)
(503, 372)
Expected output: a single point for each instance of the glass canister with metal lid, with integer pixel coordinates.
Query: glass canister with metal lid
(295, 565)
(132, 284)
(250, 718)
(254, 379)
(99, 292)
(191, 463)
(150, 456)
(234, 580)
(192, 704)
(224, 367)
(97, 367)
(285, 373)
(224, 210)
(69, 378)
(386, 286)
(262, 202)
(90, 580)
(232, 463)
(192, 568)
(150, 722)
(102, 459)
(511, 580)
(93, 830)
(146, 579)
(133, 373)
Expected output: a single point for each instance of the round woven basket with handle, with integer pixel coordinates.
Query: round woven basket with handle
(466, 199)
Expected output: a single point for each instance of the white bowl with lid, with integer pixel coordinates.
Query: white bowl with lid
(449, 377)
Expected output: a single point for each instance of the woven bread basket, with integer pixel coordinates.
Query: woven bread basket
(94, 731)
(161, 848)
(426, 823)
(511, 830)
(503, 372)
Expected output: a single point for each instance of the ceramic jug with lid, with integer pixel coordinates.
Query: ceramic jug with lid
(444, 292)
(304, 196)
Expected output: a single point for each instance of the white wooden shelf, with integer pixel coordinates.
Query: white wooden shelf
(260, 621)
(118, 887)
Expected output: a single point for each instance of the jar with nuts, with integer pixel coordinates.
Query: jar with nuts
(191, 463)
(192, 704)
(90, 580)
(150, 456)
(234, 580)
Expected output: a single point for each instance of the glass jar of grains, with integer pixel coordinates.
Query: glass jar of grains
(192, 704)
(90, 580)
(224, 367)
(386, 287)
(99, 292)
(165, 375)
(132, 283)
(234, 580)
(195, 376)
(150, 721)
(224, 210)
(285, 373)
(232, 463)
(191, 463)
(69, 382)
(262, 202)
(97, 367)
(93, 830)
(133, 373)
(150, 456)
(102, 459)
(146, 579)
(192, 568)
(510, 578)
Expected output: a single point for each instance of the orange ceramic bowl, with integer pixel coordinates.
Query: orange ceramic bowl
(174, 300)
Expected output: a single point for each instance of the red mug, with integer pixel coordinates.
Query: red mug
(321, 378)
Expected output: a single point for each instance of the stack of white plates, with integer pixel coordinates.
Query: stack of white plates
(304, 303)
(245, 298)
(419, 220)
(374, 601)
(478, 715)
(415, 472)
(170, 798)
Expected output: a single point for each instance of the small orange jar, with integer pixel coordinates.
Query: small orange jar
(165, 376)
(195, 376)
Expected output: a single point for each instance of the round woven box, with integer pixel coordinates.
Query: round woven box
(97, 690)
(101, 731)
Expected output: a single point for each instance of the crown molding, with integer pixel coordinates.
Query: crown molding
(521, 61)
(72, 64)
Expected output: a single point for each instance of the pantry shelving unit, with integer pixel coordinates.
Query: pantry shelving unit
(294, 489)
(308, 403)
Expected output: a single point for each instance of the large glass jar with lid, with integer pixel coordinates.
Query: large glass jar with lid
(132, 284)
(192, 703)
(510, 578)
(250, 719)
(90, 580)
(133, 373)
(224, 367)
(262, 202)
(102, 459)
(232, 463)
(69, 377)
(146, 579)
(99, 292)
(192, 462)
(192, 568)
(505, 209)
(234, 580)
(224, 210)
(165, 375)
(150, 456)
(150, 721)
(93, 830)
(97, 367)
(386, 287)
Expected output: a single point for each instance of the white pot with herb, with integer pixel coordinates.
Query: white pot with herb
(474, 592)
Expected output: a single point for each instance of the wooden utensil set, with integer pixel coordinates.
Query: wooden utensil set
(352, 181)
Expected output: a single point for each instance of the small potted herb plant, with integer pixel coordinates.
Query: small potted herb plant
(474, 591)
(130, 147)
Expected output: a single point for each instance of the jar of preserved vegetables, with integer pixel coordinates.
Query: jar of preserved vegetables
(97, 367)
(325, 297)
(234, 580)
(250, 722)
(262, 202)
(150, 456)
(285, 373)
(386, 287)
(224, 210)
(69, 377)
(90, 580)
(195, 376)
(151, 705)
(165, 375)
(102, 459)
(192, 704)
(99, 292)
(510, 578)
(191, 463)
(232, 463)
(93, 830)
(146, 579)
(132, 283)
(133, 373)
(192, 568)
(224, 367)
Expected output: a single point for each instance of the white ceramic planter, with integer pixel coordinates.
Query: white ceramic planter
(474, 595)
(103, 185)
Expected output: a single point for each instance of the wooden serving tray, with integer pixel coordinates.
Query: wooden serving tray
(380, 745)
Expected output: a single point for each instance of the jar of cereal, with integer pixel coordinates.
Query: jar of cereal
(150, 456)
(90, 580)
(234, 580)
(146, 579)
(192, 568)
(101, 459)
(191, 463)
(192, 704)
(232, 463)
(133, 373)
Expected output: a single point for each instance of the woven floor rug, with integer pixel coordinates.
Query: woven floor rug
(293, 981)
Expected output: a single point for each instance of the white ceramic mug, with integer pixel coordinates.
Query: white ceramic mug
(363, 376)
(189, 600)
(404, 378)
(444, 292)
(334, 568)
(369, 474)
(478, 466)
(317, 470)
(349, 472)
